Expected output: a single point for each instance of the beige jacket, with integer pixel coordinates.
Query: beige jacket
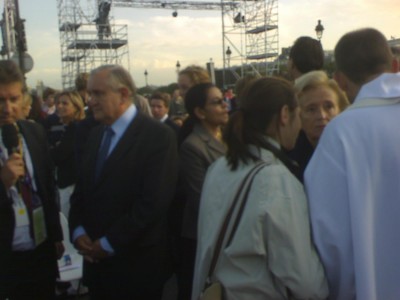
(272, 252)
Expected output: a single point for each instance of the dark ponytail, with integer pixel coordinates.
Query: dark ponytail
(262, 101)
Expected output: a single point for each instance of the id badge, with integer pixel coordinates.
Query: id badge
(21, 214)
(39, 227)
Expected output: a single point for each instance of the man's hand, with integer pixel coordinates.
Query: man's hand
(91, 251)
(98, 252)
(59, 249)
(84, 244)
(12, 169)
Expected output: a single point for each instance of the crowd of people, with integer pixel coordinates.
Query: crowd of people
(286, 189)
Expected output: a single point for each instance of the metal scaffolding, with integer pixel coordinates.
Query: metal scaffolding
(249, 29)
(86, 43)
(250, 39)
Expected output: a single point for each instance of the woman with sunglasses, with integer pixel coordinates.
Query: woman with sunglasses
(270, 255)
(202, 145)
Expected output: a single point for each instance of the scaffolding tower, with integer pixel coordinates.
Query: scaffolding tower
(250, 36)
(87, 44)
(250, 39)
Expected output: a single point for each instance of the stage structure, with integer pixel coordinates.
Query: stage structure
(8, 25)
(250, 36)
(89, 38)
(13, 35)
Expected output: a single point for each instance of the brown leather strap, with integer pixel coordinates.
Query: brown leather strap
(247, 180)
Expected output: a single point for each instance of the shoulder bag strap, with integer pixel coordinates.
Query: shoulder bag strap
(249, 178)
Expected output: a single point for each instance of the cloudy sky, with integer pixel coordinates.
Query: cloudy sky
(157, 40)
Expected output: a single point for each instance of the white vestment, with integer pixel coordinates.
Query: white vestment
(353, 186)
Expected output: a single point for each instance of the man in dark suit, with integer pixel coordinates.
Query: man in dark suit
(118, 215)
(159, 103)
(30, 231)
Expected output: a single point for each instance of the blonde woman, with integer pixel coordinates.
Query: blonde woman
(70, 110)
(191, 76)
(320, 100)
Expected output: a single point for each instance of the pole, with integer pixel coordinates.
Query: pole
(20, 41)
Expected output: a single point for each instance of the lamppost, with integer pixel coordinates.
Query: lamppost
(178, 66)
(145, 76)
(228, 55)
(319, 30)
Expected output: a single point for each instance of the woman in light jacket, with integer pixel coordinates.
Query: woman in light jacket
(271, 255)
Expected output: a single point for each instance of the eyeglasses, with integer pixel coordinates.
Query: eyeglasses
(217, 102)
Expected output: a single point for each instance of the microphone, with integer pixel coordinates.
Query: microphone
(10, 138)
(11, 142)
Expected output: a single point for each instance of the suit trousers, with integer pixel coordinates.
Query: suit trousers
(30, 275)
(126, 277)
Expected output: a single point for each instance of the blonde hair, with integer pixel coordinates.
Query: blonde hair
(314, 79)
(76, 101)
(196, 74)
(27, 100)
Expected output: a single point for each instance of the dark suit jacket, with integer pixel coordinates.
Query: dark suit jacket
(35, 138)
(301, 153)
(63, 154)
(129, 202)
(172, 125)
(196, 154)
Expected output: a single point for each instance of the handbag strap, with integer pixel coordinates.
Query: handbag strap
(249, 178)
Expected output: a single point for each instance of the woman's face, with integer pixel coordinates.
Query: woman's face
(184, 84)
(215, 111)
(318, 106)
(65, 109)
(290, 133)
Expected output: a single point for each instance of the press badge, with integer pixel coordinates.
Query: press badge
(39, 228)
(21, 213)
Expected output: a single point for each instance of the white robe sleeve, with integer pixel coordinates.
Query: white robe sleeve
(327, 190)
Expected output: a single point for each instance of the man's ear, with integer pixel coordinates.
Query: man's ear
(341, 80)
(125, 93)
(395, 65)
(284, 116)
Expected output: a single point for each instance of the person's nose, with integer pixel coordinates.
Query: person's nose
(90, 101)
(322, 114)
(7, 107)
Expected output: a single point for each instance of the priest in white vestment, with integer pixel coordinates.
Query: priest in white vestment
(353, 178)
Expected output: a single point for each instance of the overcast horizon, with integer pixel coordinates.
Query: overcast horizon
(157, 40)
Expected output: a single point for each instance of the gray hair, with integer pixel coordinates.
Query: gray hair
(118, 77)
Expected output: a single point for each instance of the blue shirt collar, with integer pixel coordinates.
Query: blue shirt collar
(122, 123)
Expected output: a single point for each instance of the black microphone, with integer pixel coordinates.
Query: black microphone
(11, 142)
(10, 138)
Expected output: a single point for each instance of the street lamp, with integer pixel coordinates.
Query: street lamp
(228, 55)
(145, 76)
(178, 66)
(319, 30)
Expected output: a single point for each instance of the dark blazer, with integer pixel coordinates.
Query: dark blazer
(172, 125)
(35, 138)
(129, 202)
(301, 153)
(199, 150)
(63, 154)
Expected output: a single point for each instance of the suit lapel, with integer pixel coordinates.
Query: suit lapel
(127, 140)
(93, 148)
(34, 152)
(211, 142)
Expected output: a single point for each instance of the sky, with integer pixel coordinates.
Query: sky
(157, 40)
